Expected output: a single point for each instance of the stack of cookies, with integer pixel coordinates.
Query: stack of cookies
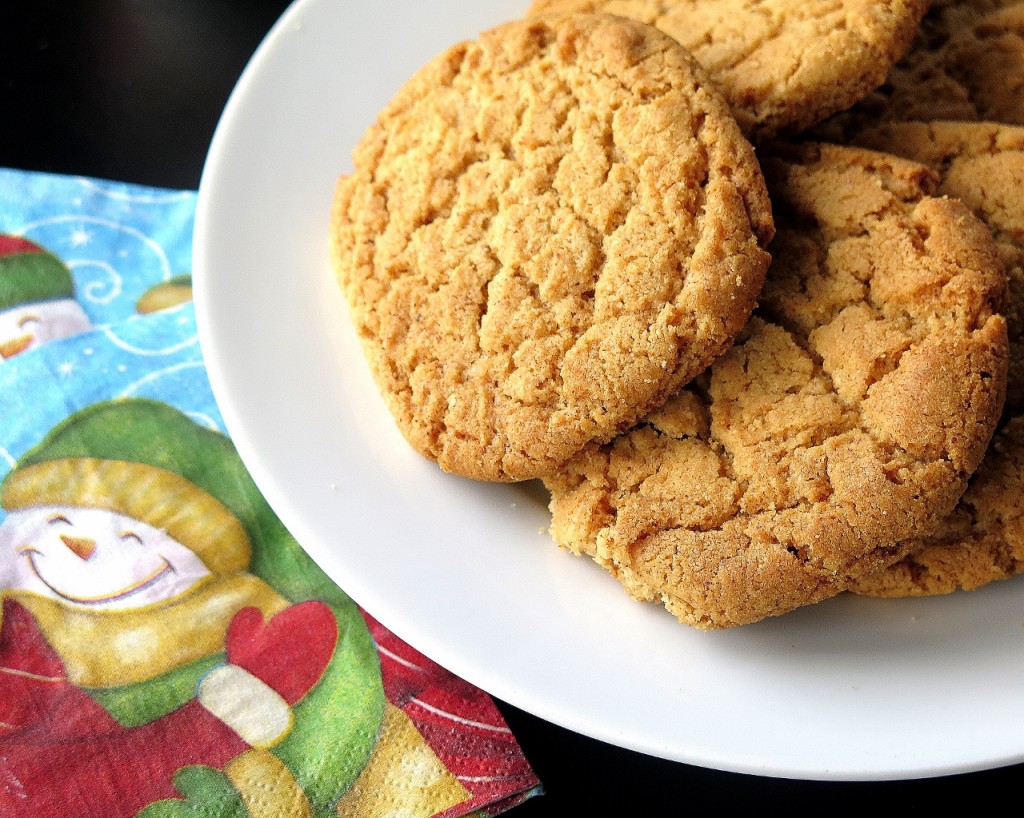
(750, 381)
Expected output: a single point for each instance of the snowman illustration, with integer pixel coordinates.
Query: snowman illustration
(166, 648)
(37, 301)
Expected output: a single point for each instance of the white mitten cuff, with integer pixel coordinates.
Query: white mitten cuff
(246, 704)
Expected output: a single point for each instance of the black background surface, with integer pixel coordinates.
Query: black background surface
(132, 91)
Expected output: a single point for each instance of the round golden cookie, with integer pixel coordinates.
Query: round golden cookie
(547, 231)
(982, 164)
(966, 63)
(846, 418)
(783, 65)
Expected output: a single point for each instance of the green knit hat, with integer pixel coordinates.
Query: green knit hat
(29, 273)
(147, 459)
(143, 459)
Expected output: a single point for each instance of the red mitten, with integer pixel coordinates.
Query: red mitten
(290, 652)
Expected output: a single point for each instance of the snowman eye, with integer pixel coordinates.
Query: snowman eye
(58, 519)
(29, 318)
(131, 535)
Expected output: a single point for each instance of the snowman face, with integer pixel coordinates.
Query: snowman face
(28, 325)
(93, 558)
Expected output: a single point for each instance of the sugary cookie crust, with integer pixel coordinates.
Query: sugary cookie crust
(981, 542)
(983, 539)
(547, 232)
(783, 65)
(966, 63)
(846, 418)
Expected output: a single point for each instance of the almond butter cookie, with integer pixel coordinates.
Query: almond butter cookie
(982, 164)
(847, 417)
(547, 232)
(783, 65)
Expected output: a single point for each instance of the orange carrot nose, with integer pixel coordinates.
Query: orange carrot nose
(81, 547)
(8, 349)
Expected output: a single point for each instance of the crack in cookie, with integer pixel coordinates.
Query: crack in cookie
(982, 540)
(783, 65)
(547, 232)
(819, 457)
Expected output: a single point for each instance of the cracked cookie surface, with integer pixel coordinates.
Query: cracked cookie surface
(982, 541)
(547, 231)
(846, 418)
(783, 65)
(966, 63)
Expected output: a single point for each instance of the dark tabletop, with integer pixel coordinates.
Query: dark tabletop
(131, 90)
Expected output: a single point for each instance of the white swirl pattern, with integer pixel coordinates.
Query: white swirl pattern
(119, 240)
(136, 388)
(137, 195)
(132, 336)
(141, 259)
(155, 356)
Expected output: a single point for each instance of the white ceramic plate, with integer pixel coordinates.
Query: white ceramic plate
(465, 572)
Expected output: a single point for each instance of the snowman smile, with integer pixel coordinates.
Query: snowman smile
(136, 587)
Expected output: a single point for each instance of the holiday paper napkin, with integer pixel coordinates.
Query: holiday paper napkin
(166, 647)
